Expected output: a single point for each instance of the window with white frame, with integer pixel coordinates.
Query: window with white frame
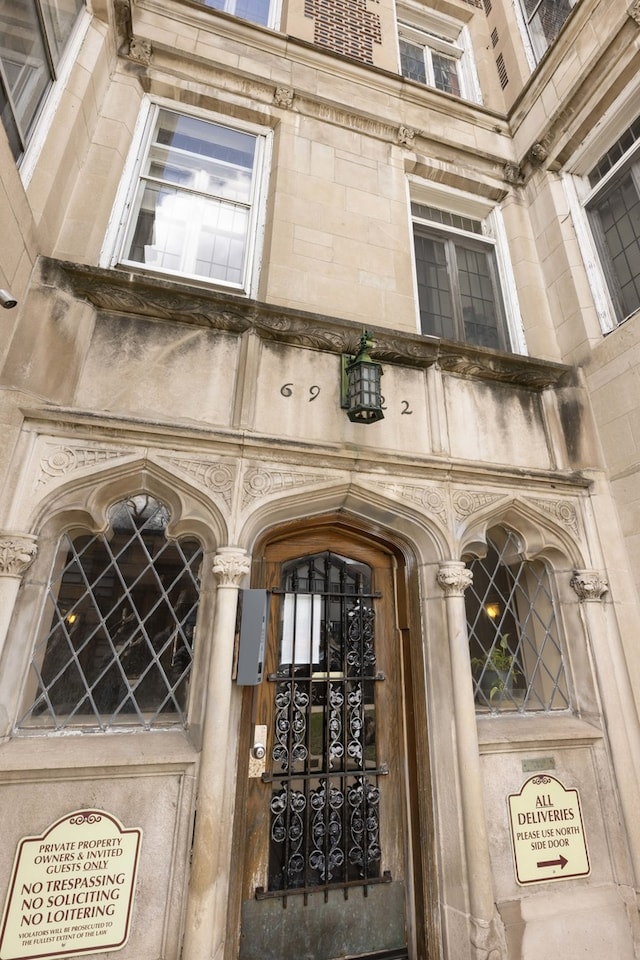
(435, 50)
(613, 209)
(118, 626)
(459, 290)
(33, 37)
(543, 20)
(514, 642)
(193, 205)
(257, 11)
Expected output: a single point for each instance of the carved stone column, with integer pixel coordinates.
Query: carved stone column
(487, 932)
(618, 702)
(17, 553)
(210, 866)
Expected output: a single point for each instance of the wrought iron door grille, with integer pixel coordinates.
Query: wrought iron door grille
(516, 653)
(121, 614)
(325, 800)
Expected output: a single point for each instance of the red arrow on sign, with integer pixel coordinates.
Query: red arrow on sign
(562, 862)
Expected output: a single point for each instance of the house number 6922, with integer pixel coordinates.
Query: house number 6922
(287, 390)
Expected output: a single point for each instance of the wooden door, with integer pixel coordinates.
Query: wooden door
(325, 846)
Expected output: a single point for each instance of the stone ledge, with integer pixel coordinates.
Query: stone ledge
(136, 294)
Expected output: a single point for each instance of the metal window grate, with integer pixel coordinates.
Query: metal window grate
(325, 830)
(121, 614)
(516, 655)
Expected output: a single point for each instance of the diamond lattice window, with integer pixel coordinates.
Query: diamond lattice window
(516, 655)
(118, 626)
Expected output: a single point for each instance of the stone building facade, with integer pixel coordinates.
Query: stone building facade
(435, 753)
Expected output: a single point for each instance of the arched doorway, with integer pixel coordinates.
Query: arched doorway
(336, 836)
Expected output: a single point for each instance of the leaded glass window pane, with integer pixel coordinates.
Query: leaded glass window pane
(516, 654)
(545, 19)
(445, 73)
(412, 64)
(458, 290)
(119, 623)
(616, 215)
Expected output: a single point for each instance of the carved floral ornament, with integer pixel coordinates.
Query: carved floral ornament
(283, 97)
(634, 11)
(17, 552)
(230, 565)
(454, 578)
(589, 584)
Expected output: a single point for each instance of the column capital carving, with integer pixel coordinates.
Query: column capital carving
(17, 552)
(589, 584)
(634, 11)
(454, 578)
(230, 565)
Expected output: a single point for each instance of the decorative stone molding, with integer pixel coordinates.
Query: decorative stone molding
(259, 482)
(283, 97)
(140, 51)
(407, 137)
(488, 939)
(537, 154)
(144, 296)
(17, 553)
(218, 477)
(589, 584)
(230, 565)
(560, 510)
(634, 11)
(454, 578)
(466, 502)
(512, 173)
(432, 499)
(64, 460)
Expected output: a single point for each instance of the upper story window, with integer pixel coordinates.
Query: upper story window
(430, 60)
(118, 626)
(613, 208)
(33, 37)
(543, 19)
(435, 50)
(516, 655)
(258, 11)
(459, 293)
(193, 203)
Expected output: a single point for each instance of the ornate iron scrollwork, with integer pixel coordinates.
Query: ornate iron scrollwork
(325, 829)
(360, 652)
(290, 726)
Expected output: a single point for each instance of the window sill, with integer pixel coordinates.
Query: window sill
(498, 734)
(75, 750)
